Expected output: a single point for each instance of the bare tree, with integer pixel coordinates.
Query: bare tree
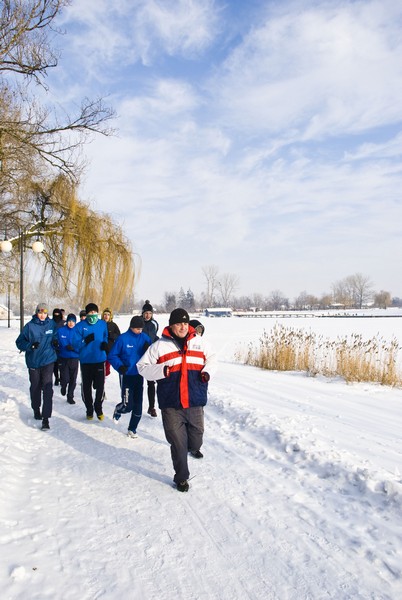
(29, 131)
(277, 300)
(227, 284)
(211, 278)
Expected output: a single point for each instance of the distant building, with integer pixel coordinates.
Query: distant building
(218, 311)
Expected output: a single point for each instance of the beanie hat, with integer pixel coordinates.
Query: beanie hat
(83, 313)
(147, 307)
(179, 315)
(71, 317)
(57, 316)
(91, 306)
(42, 306)
(137, 323)
(194, 323)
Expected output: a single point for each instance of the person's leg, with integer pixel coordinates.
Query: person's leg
(35, 391)
(72, 378)
(151, 398)
(56, 373)
(64, 375)
(46, 374)
(99, 378)
(86, 387)
(136, 392)
(175, 427)
(195, 427)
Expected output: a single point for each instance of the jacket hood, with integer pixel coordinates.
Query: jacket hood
(109, 310)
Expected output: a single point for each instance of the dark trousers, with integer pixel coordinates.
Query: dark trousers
(184, 430)
(93, 374)
(41, 388)
(56, 368)
(151, 394)
(68, 375)
(131, 399)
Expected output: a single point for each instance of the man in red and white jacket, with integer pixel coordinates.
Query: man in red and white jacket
(182, 363)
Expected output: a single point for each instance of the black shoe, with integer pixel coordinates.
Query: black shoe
(71, 400)
(37, 415)
(196, 454)
(63, 390)
(182, 486)
(45, 424)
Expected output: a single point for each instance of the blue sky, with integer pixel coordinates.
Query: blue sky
(264, 138)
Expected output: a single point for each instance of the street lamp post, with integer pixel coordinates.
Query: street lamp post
(6, 246)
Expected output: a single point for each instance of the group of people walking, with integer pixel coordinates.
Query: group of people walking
(177, 367)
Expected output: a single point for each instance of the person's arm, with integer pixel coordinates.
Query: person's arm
(148, 365)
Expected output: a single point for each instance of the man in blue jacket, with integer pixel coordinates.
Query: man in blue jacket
(124, 355)
(38, 340)
(90, 341)
(68, 359)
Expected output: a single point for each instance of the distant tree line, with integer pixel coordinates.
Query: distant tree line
(354, 291)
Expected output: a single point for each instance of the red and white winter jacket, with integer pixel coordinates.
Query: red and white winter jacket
(183, 388)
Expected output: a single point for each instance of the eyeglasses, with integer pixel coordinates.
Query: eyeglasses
(42, 311)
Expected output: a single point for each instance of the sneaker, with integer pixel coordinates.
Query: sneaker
(37, 415)
(183, 486)
(116, 416)
(90, 417)
(196, 454)
(152, 412)
(71, 400)
(132, 434)
(101, 417)
(63, 390)
(45, 424)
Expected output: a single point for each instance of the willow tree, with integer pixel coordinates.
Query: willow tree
(86, 254)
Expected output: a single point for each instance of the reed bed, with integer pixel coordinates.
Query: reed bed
(350, 357)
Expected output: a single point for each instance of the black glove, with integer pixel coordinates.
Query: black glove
(204, 377)
(55, 344)
(35, 345)
(103, 346)
(90, 338)
(70, 347)
(123, 369)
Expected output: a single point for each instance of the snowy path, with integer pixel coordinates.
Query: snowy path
(298, 496)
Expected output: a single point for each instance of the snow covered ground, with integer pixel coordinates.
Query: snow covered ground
(298, 496)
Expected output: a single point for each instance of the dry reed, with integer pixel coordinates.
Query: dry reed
(350, 357)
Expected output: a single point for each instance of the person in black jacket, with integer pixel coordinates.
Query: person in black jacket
(113, 333)
(150, 328)
(58, 319)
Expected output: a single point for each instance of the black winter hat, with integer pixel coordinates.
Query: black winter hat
(71, 317)
(147, 307)
(179, 315)
(91, 306)
(83, 313)
(137, 323)
(57, 316)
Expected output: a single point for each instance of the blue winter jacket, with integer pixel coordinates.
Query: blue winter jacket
(44, 332)
(127, 350)
(90, 353)
(65, 338)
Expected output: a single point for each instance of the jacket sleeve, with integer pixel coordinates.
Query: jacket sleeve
(22, 342)
(148, 365)
(113, 356)
(211, 359)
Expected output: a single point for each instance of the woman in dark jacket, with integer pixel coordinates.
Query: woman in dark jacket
(113, 333)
